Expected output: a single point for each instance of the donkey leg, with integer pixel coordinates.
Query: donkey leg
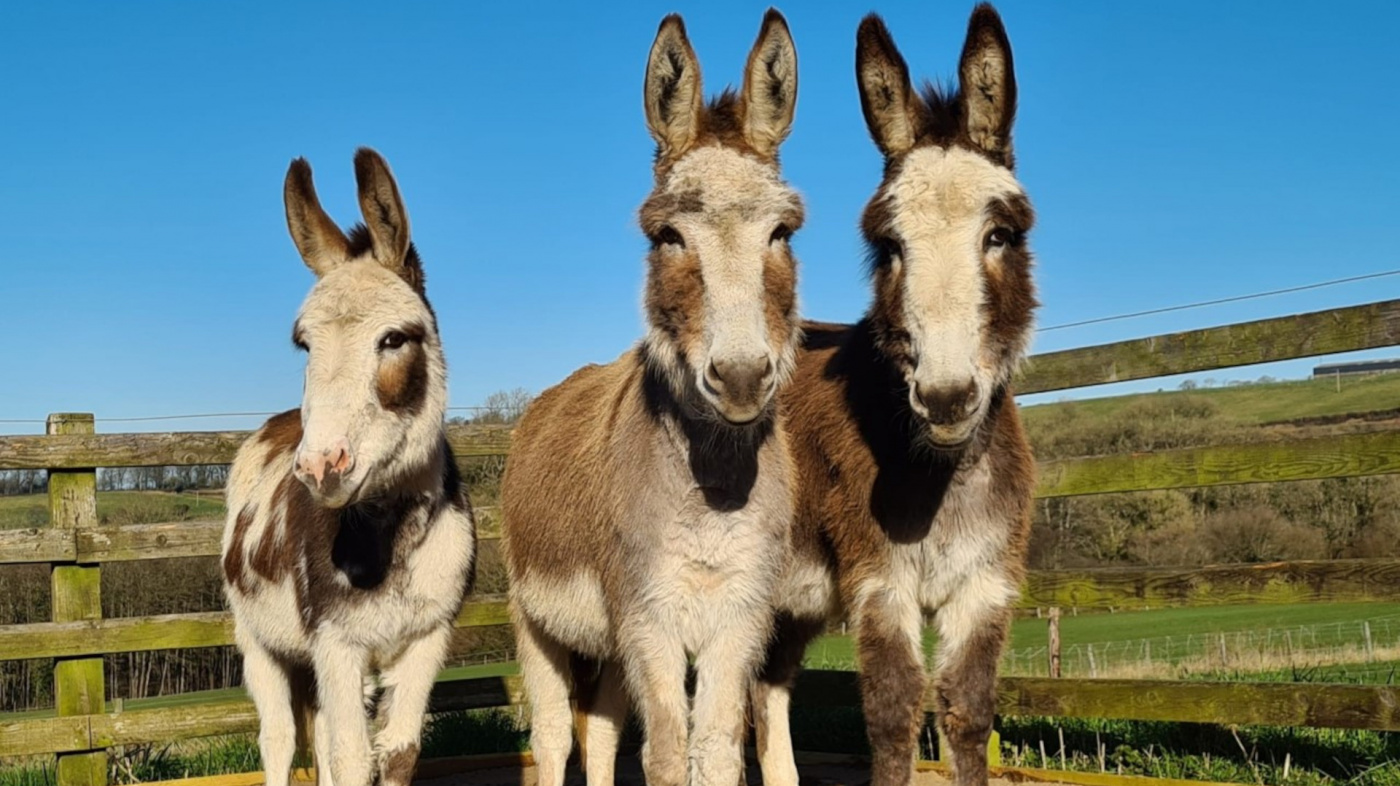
(544, 666)
(269, 684)
(322, 747)
(724, 672)
(972, 628)
(340, 674)
(892, 681)
(655, 669)
(770, 698)
(605, 712)
(408, 681)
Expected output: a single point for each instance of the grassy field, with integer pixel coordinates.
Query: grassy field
(117, 507)
(1263, 403)
(838, 652)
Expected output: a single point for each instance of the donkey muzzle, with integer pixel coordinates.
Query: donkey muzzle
(322, 470)
(951, 410)
(740, 387)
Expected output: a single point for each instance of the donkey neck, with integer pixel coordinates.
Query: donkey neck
(368, 532)
(723, 460)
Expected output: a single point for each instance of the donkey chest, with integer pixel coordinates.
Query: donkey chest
(943, 542)
(706, 562)
(421, 590)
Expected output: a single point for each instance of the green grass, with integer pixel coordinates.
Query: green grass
(838, 652)
(115, 507)
(1263, 403)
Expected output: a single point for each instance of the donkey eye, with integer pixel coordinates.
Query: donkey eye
(392, 340)
(999, 237)
(668, 236)
(781, 233)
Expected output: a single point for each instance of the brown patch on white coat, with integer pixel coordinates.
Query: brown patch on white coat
(350, 541)
(915, 479)
(648, 502)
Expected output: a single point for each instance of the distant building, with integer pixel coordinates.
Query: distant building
(1362, 367)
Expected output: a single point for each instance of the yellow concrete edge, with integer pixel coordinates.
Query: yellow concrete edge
(438, 768)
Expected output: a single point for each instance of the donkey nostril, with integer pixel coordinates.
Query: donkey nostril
(712, 375)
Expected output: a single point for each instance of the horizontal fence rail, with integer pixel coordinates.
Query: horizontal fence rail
(1375, 707)
(1371, 326)
(147, 541)
(1099, 588)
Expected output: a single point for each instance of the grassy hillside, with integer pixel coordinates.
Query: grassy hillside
(116, 508)
(1261, 403)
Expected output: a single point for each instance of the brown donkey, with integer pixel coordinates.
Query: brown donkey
(350, 543)
(915, 478)
(648, 502)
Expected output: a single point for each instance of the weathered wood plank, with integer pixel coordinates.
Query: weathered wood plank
(184, 448)
(1263, 341)
(482, 610)
(171, 631)
(1335, 581)
(124, 634)
(37, 545)
(1336, 456)
(151, 541)
(1244, 703)
(475, 694)
(173, 539)
(43, 735)
(174, 723)
(1267, 704)
(1331, 581)
(1271, 704)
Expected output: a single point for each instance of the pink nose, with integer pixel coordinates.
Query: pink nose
(326, 463)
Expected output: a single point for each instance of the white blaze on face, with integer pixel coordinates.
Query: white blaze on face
(343, 322)
(742, 201)
(939, 211)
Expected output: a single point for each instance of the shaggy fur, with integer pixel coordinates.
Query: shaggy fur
(350, 542)
(915, 479)
(648, 501)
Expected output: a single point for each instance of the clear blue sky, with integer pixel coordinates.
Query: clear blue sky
(1175, 151)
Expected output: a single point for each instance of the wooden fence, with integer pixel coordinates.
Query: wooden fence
(76, 545)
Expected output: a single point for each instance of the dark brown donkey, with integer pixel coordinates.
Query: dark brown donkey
(915, 477)
(648, 502)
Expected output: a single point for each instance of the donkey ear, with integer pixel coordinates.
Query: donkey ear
(382, 207)
(988, 82)
(321, 243)
(886, 97)
(672, 93)
(770, 85)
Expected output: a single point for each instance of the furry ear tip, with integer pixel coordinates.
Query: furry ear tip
(872, 26)
(773, 17)
(367, 159)
(298, 171)
(985, 13)
(672, 23)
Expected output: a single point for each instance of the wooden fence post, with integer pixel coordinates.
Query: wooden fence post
(77, 682)
(1054, 645)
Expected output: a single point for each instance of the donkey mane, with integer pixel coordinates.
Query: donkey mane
(721, 121)
(942, 123)
(362, 243)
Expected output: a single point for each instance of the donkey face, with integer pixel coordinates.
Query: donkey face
(376, 381)
(721, 285)
(947, 228)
